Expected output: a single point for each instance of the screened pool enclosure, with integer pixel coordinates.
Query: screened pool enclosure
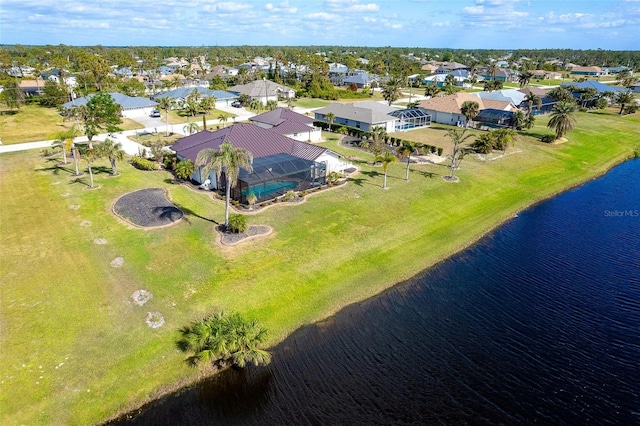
(411, 118)
(276, 174)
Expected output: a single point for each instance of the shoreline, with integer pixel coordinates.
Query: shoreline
(189, 382)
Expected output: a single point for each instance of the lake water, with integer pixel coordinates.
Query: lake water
(538, 323)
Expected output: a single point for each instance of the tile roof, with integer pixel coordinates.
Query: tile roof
(260, 142)
(453, 103)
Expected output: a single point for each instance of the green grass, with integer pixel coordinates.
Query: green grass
(310, 103)
(67, 315)
(34, 123)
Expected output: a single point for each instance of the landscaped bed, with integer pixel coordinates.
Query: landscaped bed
(147, 208)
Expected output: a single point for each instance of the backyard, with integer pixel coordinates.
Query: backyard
(77, 344)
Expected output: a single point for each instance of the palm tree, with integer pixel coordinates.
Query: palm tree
(492, 70)
(191, 128)
(470, 110)
(90, 155)
(391, 90)
(386, 159)
(532, 99)
(165, 104)
(64, 140)
(407, 148)
(524, 77)
(229, 160)
(223, 119)
(113, 151)
(330, 117)
(562, 118)
(378, 134)
(222, 339)
(184, 169)
(624, 98)
(432, 89)
(503, 138)
(458, 138)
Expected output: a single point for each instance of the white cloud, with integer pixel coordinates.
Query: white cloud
(233, 7)
(323, 16)
(474, 10)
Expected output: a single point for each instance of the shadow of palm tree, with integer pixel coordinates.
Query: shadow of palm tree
(372, 173)
(167, 213)
(357, 181)
(79, 180)
(188, 212)
(429, 175)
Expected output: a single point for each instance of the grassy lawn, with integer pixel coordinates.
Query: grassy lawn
(34, 123)
(76, 350)
(310, 103)
(177, 117)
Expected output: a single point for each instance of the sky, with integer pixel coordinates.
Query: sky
(467, 24)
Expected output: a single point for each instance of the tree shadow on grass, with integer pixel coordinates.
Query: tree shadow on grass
(358, 181)
(168, 213)
(372, 173)
(188, 212)
(429, 175)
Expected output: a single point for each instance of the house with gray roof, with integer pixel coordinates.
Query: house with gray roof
(132, 106)
(280, 163)
(361, 115)
(263, 90)
(360, 78)
(222, 97)
(289, 123)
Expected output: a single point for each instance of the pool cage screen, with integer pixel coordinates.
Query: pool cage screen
(274, 175)
(411, 118)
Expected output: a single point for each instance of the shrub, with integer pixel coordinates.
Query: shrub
(290, 195)
(238, 223)
(433, 149)
(548, 138)
(440, 152)
(143, 164)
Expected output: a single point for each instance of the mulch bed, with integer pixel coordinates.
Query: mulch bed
(147, 208)
(231, 238)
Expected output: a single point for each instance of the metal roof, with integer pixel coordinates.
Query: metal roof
(126, 102)
(260, 142)
(184, 92)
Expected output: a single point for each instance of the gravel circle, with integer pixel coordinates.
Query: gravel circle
(74, 207)
(117, 262)
(147, 208)
(140, 297)
(85, 223)
(100, 241)
(155, 319)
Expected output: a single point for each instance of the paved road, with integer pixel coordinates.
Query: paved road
(152, 125)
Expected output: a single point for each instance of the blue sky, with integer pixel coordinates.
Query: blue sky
(472, 24)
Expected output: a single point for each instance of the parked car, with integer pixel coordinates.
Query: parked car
(155, 114)
(236, 104)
